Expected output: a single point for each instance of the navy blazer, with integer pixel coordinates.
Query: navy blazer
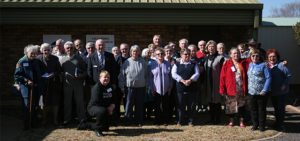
(94, 67)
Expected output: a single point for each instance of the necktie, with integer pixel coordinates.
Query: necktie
(161, 80)
(100, 60)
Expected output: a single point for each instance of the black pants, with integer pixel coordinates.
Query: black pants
(102, 117)
(117, 112)
(172, 103)
(215, 112)
(279, 106)
(258, 110)
(161, 107)
(186, 100)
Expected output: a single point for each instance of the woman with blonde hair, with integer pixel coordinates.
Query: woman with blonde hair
(212, 66)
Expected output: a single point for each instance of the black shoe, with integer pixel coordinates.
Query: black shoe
(254, 128)
(83, 126)
(65, 123)
(106, 128)
(262, 129)
(98, 133)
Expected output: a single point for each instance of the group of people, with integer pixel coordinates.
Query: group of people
(165, 80)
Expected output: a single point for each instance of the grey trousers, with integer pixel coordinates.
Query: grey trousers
(73, 89)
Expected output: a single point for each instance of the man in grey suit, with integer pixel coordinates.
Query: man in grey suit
(74, 69)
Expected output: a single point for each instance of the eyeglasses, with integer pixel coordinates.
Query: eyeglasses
(254, 56)
(186, 54)
(68, 47)
(252, 45)
(89, 48)
(160, 54)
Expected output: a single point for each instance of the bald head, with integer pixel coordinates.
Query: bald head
(100, 45)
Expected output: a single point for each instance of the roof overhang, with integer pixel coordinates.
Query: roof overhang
(169, 4)
(178, 12)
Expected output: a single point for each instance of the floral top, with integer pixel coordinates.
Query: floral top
(259, 78)
(239, 79)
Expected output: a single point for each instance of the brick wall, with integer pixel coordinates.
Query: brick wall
(15, 37)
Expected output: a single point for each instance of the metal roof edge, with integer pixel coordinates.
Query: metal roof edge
(131, 5)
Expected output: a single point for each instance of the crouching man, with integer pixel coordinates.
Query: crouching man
(101, 105)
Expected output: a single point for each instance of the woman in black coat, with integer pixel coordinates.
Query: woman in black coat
(51, 66)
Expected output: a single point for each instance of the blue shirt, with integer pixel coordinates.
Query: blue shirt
(259, 78)
(280, 76)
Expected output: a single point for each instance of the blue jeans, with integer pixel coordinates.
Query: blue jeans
(135, 96)
(183, 100)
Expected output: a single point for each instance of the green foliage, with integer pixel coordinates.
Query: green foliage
(297, 32)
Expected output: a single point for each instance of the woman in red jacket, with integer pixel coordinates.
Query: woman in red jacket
(233, 85)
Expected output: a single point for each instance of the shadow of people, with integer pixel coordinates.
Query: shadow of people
(139, 131)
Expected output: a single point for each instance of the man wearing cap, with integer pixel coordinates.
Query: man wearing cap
(252, 44)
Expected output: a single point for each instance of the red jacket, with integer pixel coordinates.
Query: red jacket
(200, 55)
(227, 78)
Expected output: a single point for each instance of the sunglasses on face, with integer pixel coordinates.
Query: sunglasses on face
(160, 54)
(186, 54)
(253, 45)
(68, 48)
(255, 56)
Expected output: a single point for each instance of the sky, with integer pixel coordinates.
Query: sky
(269, 4)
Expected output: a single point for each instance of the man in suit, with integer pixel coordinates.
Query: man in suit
(101, 60)
(80, 49)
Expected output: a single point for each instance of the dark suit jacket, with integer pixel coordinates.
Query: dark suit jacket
(94, 68)
(120, 60)
(82, 55)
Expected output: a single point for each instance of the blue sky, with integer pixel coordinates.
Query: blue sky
(269, 4)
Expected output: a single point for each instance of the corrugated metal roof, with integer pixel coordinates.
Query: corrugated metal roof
(279, 21)
(141, 1)
(202, 4)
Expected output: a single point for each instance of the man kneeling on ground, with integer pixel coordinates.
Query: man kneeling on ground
(101, 105)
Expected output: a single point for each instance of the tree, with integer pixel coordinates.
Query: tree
(287, 10)
(297, 32)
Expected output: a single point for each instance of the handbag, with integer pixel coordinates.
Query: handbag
(231, 105)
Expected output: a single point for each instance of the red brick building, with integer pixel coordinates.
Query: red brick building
(25, 22)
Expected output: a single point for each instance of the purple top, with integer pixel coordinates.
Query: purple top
(160, 82)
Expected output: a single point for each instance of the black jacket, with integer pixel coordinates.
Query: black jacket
(94, 68)
(102, 96)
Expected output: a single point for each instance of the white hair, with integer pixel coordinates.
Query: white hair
(31, 48)
(192, 46)
(144, 52)
(183, 39)
(68, 43)
(89, 44)
(115, 47)
(45, 45)
(135, 47)
(221, 44)
(61, 41)
(156, 36)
